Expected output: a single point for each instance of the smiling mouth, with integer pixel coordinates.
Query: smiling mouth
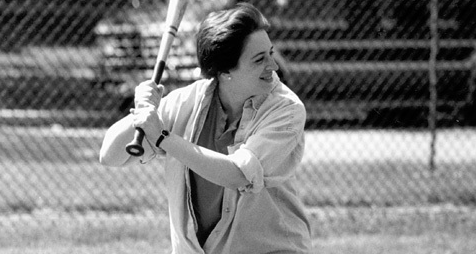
(268, 79)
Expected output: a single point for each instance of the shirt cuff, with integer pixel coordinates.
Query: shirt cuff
(150, 151)
(251, 168)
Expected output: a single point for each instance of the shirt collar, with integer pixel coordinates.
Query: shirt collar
(256, 101)
(212, 84)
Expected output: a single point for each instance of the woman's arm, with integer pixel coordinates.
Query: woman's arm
(213, 166)
(147, 98)
(113, 152)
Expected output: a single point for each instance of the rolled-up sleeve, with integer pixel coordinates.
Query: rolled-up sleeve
(251, 167)
(270, 155)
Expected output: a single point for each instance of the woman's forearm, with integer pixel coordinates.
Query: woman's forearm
(113, 151)
(211, 165)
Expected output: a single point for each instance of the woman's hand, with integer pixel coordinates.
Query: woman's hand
(145, 116)
(148, 93)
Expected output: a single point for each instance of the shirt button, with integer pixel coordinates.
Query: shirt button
(227, 210)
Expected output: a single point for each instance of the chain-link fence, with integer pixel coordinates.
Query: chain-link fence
(389, 86)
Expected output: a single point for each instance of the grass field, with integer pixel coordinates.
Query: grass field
(357, 244)
(367, 192)
(400, 230)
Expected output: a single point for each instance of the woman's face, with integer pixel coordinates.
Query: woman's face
(253, 74)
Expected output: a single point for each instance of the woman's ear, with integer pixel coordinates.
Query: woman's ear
(225, 75)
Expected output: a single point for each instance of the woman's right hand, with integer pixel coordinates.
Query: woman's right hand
(145, 116)
(148, 93)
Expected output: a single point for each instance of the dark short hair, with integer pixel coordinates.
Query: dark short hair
(222, 35)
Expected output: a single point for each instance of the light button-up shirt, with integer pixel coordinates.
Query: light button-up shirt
(266, 215)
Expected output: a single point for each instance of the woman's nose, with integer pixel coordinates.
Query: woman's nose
(272, 65)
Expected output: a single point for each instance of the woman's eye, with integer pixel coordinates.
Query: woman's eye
(260, 60)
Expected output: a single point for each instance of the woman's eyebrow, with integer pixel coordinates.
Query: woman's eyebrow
(258, 54)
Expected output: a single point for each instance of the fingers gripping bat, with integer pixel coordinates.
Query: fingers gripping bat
(175, 12)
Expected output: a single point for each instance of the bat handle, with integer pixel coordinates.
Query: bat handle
(135, 148)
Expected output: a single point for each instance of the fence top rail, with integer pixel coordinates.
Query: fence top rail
(371, 44)
(336, 24)
(377, 66)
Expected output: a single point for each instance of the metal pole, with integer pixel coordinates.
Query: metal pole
(433, 78)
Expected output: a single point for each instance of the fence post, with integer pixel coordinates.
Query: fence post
(433, 78)
(471, 97)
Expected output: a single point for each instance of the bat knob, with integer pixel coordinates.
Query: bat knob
(135, 148)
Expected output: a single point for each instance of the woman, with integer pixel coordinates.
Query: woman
(232, 141)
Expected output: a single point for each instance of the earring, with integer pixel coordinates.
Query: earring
(228, 77)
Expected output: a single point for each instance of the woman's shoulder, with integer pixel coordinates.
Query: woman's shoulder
(283, 103)
(283, 95)
(192, 90)
(283, 109)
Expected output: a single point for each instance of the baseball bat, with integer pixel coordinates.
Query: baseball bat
(175, 11)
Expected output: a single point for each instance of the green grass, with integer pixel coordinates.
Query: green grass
(431, 242)
(439, 230)
(361, 244)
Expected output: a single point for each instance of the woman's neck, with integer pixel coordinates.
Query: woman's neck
(232, 104)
